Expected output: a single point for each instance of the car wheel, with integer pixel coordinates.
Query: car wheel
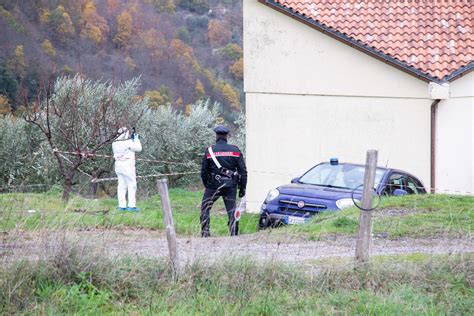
(264, 222)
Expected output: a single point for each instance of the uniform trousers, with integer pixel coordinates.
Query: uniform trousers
(211, 195)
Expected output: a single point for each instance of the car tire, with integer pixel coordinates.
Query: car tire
(264, 221)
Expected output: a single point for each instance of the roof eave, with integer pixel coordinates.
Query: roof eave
(464, 70)
(365, 48)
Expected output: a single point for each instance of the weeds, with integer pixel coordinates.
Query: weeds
(76, 280)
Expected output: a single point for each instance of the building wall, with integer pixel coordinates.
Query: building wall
(288, 134)
(310, 97)
(455, 138)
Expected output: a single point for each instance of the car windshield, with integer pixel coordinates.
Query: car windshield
(344, 176)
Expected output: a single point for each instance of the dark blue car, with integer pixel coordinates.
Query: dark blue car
(330, 186)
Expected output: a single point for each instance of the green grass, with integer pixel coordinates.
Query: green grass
(427, 215)
(94, 285)
(421, 216)
(80, 281)
(16, 211)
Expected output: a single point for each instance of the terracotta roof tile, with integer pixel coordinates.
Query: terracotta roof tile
(432, 36)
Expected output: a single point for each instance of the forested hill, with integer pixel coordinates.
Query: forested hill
(184, 50)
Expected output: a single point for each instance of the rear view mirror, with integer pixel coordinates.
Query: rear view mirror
(294, 180)
(399, 192)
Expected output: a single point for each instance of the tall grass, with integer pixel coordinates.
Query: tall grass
(77, 280)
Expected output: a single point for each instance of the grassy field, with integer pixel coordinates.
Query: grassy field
(32, 211)
(74, 284)
(414, 216)
(83, 281)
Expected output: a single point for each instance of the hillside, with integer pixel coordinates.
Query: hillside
(184, 50)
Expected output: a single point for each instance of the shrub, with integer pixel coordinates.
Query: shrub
(239, 137)
(26, 159)
(172, 136)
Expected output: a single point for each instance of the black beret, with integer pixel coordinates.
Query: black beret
(221, 130)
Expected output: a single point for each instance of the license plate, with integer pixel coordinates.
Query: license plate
(296, 220)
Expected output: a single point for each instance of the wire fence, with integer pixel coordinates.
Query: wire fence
(348, 182)
(427, 224)
(411, 236)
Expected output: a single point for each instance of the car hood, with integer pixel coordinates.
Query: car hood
(315, 191)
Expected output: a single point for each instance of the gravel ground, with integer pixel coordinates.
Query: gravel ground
(263, 246)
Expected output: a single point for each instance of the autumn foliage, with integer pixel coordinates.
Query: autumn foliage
(93, 26)
(48, 48)
(237, 69)
(199, 90)
(218, 33)
(4, 106)
(124, 29)
(183, 50)
(231, 96)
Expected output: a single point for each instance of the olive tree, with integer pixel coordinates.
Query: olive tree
(26, 161)
(172, 136)
(82, 116)
(239, 136)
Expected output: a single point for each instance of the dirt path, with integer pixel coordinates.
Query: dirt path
(261, 246)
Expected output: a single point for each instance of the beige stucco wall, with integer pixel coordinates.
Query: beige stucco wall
(310, 97)
(455, 138)
(287, 134)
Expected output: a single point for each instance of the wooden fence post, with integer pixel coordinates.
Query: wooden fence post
(162, 185)
(365, 218)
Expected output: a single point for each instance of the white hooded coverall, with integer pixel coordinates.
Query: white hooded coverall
(124, 150)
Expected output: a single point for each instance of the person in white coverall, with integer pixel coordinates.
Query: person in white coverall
(124, 148)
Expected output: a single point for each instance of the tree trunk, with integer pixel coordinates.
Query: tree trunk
(67, 188)
(68, 179)
(93, 189)
(94, 185)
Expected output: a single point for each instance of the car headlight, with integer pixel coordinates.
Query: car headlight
(272, 195)
(345, 203)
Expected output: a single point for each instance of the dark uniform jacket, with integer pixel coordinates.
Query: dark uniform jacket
(230, 157)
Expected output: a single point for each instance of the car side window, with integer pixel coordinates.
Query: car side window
(414, 186)
(411, 187)
(396, 181)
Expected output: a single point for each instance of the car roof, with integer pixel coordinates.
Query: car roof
(360, 165)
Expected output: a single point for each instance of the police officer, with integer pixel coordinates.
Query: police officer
(222, 170)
